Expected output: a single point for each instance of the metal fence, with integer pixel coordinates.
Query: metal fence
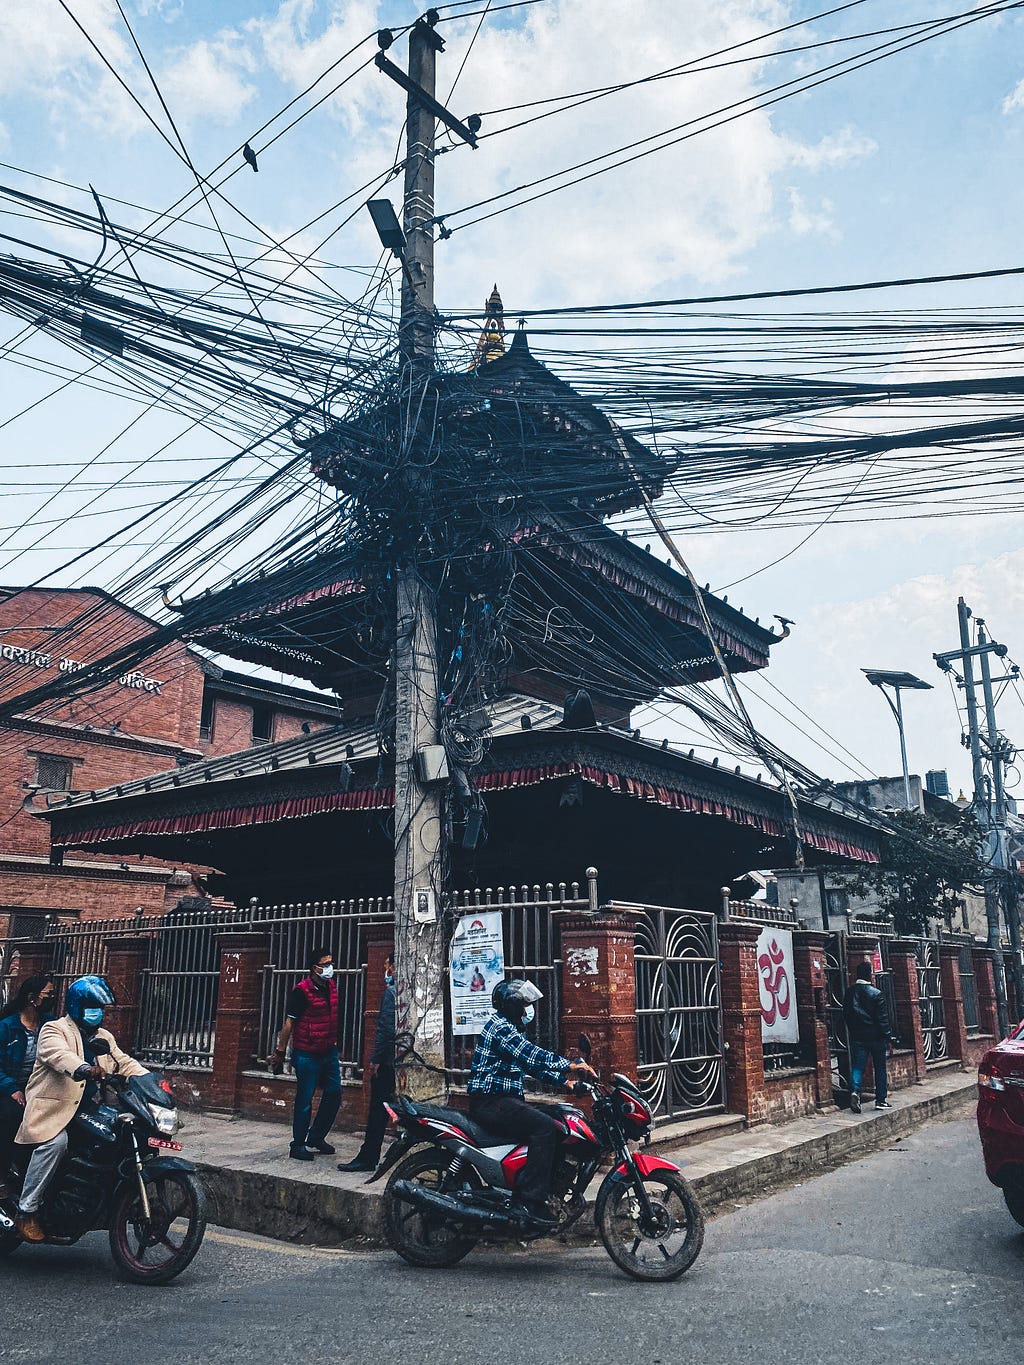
(295, 932)
(964, 944)
(532, 944)
(930, 1002)
(178, 996)
(679, 1011)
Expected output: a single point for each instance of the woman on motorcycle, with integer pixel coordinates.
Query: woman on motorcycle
(67, 1066)
(19, 1036)
(495, 1089)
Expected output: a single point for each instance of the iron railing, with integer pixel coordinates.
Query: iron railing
(295, 932)
(532, 945)
(930, 1002)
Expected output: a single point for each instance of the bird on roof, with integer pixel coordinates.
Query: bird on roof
(250, 156)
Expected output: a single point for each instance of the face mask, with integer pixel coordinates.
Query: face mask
(326, 973)
(92, 1018)
(528, 1014)
(389, 979)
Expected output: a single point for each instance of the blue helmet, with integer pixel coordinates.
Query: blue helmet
(86, 994)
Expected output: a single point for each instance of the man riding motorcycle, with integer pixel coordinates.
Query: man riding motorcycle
(68, 1065)
(495, 1089)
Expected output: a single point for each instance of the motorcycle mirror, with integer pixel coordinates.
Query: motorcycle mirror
(585, 1047)
(99, 1047)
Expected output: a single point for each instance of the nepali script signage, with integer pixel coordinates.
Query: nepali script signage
(779, 1022)
(34, 658)
(477, 965)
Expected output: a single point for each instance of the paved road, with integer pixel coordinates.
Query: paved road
(907, 1256)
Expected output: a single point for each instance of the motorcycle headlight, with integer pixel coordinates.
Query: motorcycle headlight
(165, 1120)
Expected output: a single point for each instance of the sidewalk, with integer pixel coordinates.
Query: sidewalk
(254, 1186)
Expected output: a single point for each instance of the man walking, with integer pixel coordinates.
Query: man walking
(382, 1078)
(312, 1027)
(867, 1025)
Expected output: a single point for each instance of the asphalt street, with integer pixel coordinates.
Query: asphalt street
(908, 1255)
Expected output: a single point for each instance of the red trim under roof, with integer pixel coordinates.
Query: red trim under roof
(380, 798)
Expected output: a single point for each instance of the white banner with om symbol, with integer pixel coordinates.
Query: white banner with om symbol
(778, 989)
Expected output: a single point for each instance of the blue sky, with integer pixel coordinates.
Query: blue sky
(911, 166)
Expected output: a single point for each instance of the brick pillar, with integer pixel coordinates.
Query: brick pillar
(127, 958)
(741, 1020)
(242, 958)
(811, 1004)
(952, 1000)
(903, 960)
(859, 948)
(985, 985)
(380, 943)
(35, 957)
(599, 990)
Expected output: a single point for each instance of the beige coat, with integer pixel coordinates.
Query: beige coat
(51, 1096)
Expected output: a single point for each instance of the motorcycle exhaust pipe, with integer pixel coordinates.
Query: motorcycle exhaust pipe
(435, 1202)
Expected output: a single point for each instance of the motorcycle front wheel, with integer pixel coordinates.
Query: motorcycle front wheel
(155, 1250)
(659, 1246)
(419, 1237)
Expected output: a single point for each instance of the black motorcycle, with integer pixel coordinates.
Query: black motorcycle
(453, 1183)
(120, 1174)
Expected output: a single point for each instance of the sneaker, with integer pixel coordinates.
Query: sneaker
(324, 1147)
(300, 1154)
(855, 1102)
(538, 1213)
(882, 1104)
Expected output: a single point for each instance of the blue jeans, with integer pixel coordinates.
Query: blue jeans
(315, 1071)
(877, 1052)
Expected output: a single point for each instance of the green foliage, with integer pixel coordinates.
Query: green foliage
(927, 865)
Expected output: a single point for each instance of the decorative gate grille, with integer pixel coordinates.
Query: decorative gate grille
(838, 1044)
(929, 990)
(679, 1011)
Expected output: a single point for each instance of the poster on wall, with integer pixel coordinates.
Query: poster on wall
(476, 966)
(779, 1022)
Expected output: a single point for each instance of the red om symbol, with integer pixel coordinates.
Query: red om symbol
(775, 982)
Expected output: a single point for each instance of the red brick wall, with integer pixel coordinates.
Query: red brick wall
(790, 1094)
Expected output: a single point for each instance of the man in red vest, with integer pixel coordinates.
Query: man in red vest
(312, 1027)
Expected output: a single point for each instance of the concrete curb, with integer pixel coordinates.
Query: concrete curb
(329, 1214)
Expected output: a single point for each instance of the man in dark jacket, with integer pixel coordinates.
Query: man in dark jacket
(867, 1024)
(382, 1079)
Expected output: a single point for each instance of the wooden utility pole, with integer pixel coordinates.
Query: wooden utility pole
(419, 813)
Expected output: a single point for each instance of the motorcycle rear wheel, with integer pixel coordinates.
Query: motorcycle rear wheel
(418, 1237)
(663, 1250)
(157, 1251)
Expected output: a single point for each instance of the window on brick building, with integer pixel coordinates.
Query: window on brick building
(54, 773)
(262, 723)
(206, 717)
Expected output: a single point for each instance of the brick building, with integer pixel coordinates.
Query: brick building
(177, 707)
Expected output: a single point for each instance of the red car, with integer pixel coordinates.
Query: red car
(1001, 1118)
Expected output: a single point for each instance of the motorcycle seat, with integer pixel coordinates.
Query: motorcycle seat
(476, 1134)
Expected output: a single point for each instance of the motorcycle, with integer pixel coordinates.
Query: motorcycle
(442, 1197)
(120, 1173)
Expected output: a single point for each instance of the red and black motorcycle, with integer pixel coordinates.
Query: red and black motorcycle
(443, 1197)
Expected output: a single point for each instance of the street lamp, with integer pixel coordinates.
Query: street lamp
(899, 682)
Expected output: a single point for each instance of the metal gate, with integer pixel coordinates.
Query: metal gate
(838, 1043)
(929, 990)
(679, 1011)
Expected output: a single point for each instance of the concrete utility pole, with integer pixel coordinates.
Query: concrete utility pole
(1000, 753)
(995, 880)
(419, 945)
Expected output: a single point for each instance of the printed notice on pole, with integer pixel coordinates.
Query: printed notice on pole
(477, 965)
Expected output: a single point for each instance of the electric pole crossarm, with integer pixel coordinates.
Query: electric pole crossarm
(427, 101)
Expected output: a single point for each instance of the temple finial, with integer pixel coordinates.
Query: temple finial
(492, 335)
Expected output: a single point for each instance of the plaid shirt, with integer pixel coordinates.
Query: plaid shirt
(503, 1054)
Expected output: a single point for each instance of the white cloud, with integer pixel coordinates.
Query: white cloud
(837, 149)
(208, 80)
(1015, 99)
(805, 221)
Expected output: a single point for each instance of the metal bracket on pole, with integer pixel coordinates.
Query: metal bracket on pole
(427, 101)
